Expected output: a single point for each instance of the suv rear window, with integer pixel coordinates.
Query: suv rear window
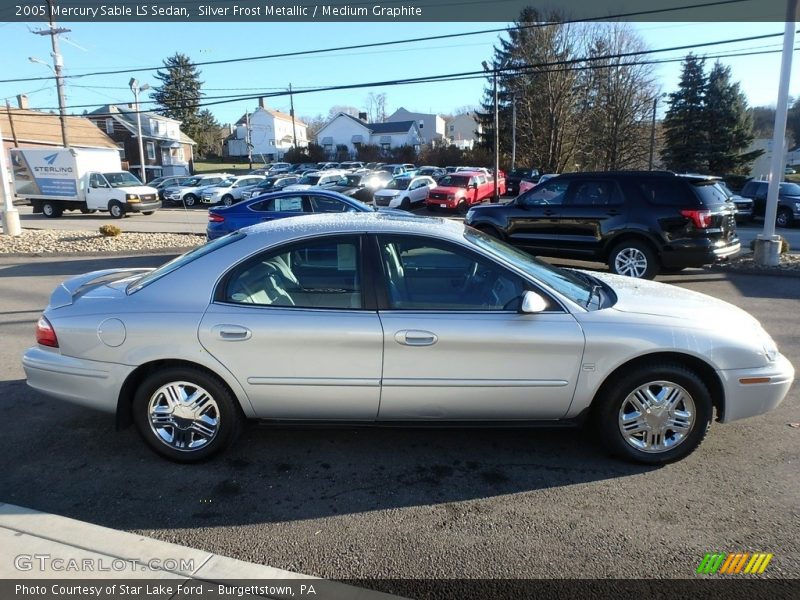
(710, 195)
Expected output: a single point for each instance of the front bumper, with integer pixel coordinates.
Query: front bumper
(744, 400)
(142, 206)
(85, 382)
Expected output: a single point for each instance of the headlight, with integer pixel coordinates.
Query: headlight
(132, 197)
(797, 206)
(451, 196)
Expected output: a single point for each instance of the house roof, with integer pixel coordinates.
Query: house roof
(31, 126)
(127, 117)
(275, 113)
(395, 127)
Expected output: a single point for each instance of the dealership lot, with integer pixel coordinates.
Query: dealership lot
(398, 503)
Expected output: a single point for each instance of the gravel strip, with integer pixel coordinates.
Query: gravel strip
(64, 242)
(745, 263)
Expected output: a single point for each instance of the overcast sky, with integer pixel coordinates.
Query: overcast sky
(95, 46)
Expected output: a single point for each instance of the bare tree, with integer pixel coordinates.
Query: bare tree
(376, 107)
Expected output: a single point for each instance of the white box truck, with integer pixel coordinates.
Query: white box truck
(81, 179)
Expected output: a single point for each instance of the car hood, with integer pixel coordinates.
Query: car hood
(639, 296)
(386, 192)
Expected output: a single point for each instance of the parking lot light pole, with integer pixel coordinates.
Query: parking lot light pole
(768, 246)
(11, 224)
(136, 89)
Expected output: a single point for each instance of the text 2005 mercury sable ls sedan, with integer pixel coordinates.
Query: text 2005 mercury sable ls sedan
(380, 319)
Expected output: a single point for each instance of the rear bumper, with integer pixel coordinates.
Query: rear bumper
(692, 255)
(85, 382)
(744, 400)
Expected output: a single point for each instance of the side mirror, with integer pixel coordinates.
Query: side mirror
(532, 303)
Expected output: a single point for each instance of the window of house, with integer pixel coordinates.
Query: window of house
(121, 148)
(386, 147)
(109, 126)
(151, 150)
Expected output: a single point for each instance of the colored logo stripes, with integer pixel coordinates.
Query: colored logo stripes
(734, 563)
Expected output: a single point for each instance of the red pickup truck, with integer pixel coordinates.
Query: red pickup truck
(461, 190)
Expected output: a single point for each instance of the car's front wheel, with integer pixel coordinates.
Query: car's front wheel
(634, 259)
(655, 414)
(784, 218)
(190, 200)
(116, 209)
(185, 414)
(227, 199)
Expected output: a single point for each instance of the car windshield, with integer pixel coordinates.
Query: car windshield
(453, 181)
(191, 182)
(310, 180)
(520, 173)
(266, 184)
(398, 184)
(349, 180)
(184, 259)
(571, 285)
(121, 179)
(226, 183)
(790, 189)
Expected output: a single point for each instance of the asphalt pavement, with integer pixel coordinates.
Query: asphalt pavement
(382, 503)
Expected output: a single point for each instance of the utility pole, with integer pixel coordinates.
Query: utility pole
(513, 131)
(291, 114)
(768, 245)
(10, 218)
(247, 138)
(11, 124)
(496, 195)
(136, 89)
(653, 132)
(58, 63)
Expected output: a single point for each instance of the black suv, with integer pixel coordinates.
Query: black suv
(513, 179)
(788, 201)
(639, 223)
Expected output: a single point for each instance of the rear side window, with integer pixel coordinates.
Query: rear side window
(666, 193)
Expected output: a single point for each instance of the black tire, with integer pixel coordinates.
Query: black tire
(643, 262)
(227, 200)
(116, 209)
(405, 204)
(784, 217)
(614, 401)
(227, 413)
(148, 212)
(462, 207)
(52, 210)
(190, 200)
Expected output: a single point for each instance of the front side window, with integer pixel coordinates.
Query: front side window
(290, 204)
(548, 193)
(312, 274)
(594, 193)
(423, 274)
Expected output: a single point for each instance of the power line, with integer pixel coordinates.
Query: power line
(534, 69)
(405, 41)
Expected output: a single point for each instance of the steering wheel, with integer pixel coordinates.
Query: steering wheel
(469, 277)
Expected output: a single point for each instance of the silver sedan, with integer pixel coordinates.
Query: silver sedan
(378, 319)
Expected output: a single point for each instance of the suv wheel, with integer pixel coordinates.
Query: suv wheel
(633, 259)
(190, 200)
(227, 200)
(784, 218)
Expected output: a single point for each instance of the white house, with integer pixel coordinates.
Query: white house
(350, 131)
(463, 130)
(761, 165)
(431, 127)
(271, 134)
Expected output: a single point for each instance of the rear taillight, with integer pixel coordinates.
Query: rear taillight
(45, 334)
(700, 218)
(215, 218)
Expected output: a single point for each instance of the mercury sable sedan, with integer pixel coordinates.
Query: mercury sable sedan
(386, 319)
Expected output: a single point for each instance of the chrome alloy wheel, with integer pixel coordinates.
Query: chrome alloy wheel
(183, 415)
(630, 262)
(657, 416)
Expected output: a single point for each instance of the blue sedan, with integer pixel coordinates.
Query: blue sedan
(278, 205)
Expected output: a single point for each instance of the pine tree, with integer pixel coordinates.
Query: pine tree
(729, 124)
(208, 134)
(685, 132)
(180, 91)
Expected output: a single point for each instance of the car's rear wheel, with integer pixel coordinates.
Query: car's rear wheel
(655, 414)
(185, 414)
(189, 200)
(633, 258)
(52, 210)
(784, 218)
(116, 209)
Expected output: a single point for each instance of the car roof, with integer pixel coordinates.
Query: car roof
(367, 222)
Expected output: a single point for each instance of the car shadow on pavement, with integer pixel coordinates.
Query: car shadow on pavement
(70, 461)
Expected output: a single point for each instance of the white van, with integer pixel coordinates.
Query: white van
(81, 179)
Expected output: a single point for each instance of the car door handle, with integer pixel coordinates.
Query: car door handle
(231, 333)
(413, 337)
(549, 212)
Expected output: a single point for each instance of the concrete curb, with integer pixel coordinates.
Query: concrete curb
(121, 555)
